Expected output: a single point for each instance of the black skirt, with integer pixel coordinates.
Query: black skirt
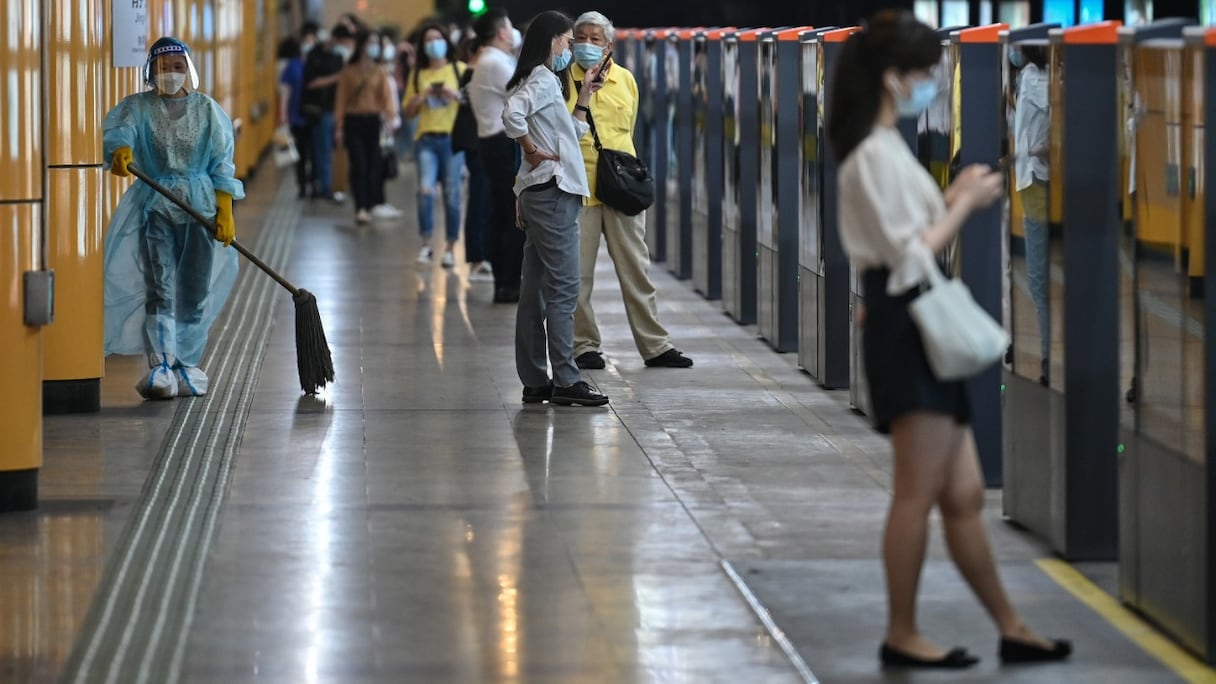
(897, 370)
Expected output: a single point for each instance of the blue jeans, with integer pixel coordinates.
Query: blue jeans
(438, 164)
(405, 135)
(323, 155)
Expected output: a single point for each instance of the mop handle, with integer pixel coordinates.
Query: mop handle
(172, 197)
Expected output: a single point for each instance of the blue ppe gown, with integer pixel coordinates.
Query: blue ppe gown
(166, 278)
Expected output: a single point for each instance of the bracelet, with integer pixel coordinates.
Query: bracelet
(582, 108)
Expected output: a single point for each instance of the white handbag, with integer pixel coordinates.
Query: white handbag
(960, 338)
(285, 152)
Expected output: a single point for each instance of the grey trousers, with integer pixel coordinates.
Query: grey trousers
(548, 291)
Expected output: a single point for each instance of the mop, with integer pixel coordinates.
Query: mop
(313, 359)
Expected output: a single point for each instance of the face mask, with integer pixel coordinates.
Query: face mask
(456, 36)
(517, 39)
(1016, 59)
(922, 95)
(562, 61)
(343, 51)
(588, 55)
(390, 52)
(437, 49)
(305, 48)
(170, 83)
(373, 50)
(323, 35)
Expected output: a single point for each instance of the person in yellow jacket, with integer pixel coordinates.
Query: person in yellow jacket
(614, 109)
(166, 276)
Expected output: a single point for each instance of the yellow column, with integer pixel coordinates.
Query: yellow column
(20, 252)
(73, 347)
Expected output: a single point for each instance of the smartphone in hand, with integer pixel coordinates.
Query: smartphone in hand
(599, 76)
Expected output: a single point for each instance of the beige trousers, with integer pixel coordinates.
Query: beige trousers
(626, 238)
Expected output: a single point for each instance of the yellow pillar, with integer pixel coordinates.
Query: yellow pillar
(20, 253)
(73, 347)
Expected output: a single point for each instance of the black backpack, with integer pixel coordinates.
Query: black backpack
(464, 130)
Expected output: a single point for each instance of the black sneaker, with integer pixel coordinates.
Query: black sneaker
(538, 395)
(591, 360)
(672, 358)
(578, 394)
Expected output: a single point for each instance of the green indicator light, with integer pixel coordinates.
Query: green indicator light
(1122, 448)
(1002, 388)
(477, 7)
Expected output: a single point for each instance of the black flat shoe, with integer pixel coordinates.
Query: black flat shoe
(1014, 651)
(591, 360)
(538, 395)
(956, 659)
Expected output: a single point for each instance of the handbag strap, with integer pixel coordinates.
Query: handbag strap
(595, 136)
(933, 274)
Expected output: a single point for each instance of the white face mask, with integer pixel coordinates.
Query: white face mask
(390, 52)
(170, 83)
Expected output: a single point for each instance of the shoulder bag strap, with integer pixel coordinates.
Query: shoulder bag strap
(595, 136)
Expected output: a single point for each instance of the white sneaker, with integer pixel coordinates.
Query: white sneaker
(338, 197)
(361, 217)
(386, 211)
(191, 381)
(449, 259)
(159, 383)
(425, 255)
(482, 274)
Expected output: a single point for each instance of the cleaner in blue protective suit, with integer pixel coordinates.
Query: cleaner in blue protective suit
(166, 276)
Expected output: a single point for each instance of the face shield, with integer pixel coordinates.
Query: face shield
(165, 48)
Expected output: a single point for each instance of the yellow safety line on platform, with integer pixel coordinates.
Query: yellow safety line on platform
(1173, 656)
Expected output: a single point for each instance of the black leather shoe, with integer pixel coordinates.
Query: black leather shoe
(578, 394)
(956, 659)
(591, 360)
(672, 358)
(538, 395)
(503, 295)
(1014, 651)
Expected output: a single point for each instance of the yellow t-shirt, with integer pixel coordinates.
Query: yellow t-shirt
(615, 110)
(435, 119)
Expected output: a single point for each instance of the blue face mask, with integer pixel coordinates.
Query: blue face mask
(1015, 58)
(562, 61)
(373, 50)
(588, 55)
(922, 95)
(436, 49)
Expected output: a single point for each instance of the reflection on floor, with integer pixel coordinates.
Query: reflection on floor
(418, 524)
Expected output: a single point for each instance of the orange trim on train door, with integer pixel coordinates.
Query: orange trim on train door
(840, 35)
(982, 34)
(1101, 33)
(794, 33)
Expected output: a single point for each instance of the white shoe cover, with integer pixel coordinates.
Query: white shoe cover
(191, 381)
(160, 383)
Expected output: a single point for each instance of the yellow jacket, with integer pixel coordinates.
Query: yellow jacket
(615, 110)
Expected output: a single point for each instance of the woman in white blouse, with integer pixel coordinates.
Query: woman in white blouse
(893, 218)
(550, 185)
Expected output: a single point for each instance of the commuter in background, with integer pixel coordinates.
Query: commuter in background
(404, 68)
(291, 92)
(551, 185)
(383, 49)
(499, 154)
(166, 276)
(432, 93)
(614, 110)
(1031, 123)
(893, 218)
(479, 204)
(322, 68)
(364, 106)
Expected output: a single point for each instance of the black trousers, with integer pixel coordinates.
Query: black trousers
(361, 134)
(303, 139)
(505, 241)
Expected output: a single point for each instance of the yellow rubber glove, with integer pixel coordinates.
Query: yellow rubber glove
(118, 163)
(225, 227)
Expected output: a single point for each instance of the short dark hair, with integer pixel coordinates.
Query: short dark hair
(489, 24)
(309, 28)
(340, 32)
(289, 48)
(893, 39)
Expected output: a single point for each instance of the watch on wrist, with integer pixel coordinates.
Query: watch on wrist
(582, 108)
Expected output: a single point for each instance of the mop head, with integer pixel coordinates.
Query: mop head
(312, 351)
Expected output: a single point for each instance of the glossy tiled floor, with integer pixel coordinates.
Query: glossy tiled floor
(418, 524)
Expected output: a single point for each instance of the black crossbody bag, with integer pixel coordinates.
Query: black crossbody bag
(622, 181)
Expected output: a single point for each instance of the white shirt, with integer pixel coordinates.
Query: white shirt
(488, 90)
(537, 108)
(1031, 122)
(887, 200)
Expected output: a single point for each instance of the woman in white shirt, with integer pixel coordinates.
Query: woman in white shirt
(1031, 123)
(893, 218)
(550, 185)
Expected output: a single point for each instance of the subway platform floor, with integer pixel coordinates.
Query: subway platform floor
(417, 523)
